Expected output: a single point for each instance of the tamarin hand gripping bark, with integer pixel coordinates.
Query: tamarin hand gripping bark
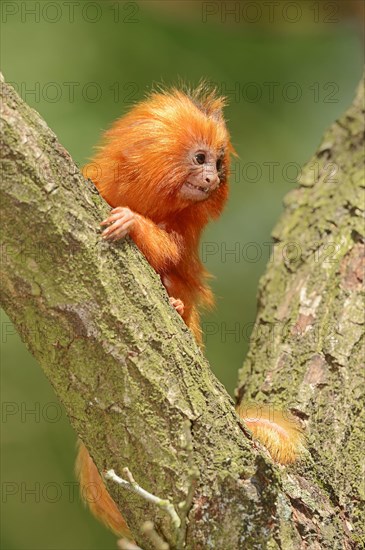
(163, 168)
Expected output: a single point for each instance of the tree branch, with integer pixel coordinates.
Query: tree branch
(127, 370)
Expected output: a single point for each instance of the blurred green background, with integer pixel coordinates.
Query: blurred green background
(288, 73)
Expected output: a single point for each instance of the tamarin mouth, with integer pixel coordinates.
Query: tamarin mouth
(202, 189)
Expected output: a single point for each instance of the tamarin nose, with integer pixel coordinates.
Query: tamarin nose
(212, 179)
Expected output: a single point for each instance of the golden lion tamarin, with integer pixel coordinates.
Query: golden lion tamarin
(163, 168)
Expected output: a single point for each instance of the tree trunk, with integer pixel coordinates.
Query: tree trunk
(136, 387)
(307, 348)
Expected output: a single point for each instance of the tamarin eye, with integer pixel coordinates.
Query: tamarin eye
(200, 158)
(219, 164)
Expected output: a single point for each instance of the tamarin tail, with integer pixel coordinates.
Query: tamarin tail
(280, 433)
(95, 494)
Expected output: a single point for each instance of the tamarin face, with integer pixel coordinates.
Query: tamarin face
(205, 173)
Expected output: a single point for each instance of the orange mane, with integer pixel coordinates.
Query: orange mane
(141, 161)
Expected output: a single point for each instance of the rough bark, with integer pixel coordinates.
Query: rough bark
(307, 349)
(135, 385)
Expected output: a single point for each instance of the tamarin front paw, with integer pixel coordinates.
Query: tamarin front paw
(120, 222)
(177, 304)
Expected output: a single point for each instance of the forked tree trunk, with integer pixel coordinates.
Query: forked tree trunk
(138, 390)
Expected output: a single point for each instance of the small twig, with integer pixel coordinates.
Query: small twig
(133, 486)
(124, 544)
(149, 529)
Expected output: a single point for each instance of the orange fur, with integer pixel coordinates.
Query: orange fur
(279, 433)
(94, 493)
(142, 165)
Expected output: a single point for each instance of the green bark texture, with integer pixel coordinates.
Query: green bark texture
(136, 387)
(307, 350)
